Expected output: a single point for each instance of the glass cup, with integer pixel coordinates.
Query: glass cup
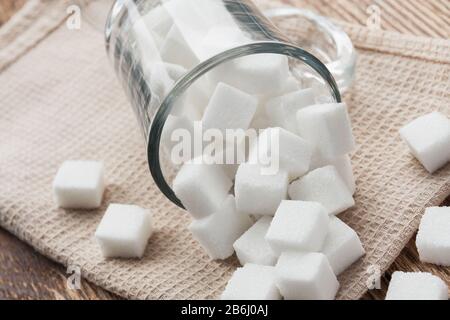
(165, 54)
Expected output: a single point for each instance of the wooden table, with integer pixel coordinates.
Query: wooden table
(26, 274)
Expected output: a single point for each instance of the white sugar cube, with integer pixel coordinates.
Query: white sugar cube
(428, 138)
(175, 71)
(192, 103)
(258, 193)
(201, 188)
(175, 130)
(194, 100)
(305, 276)
(433, 238)
(282, 110)
(79, 185)
(175, 50)
(229, 155)
(298, 226)
(252, 246)
(158, 20)
(184, 108)
(217, 232)
(221, 38)
(256, 74)
(343, 165)
(147, 43)
(342, 246)
(260, 121)
(124, 231)
(291, 85)
(328, 127)
(199, 93)
(252, 282)
(230, 168)
(229, 108)
(323, 185)
(292, 153)
(416, 286)
(159, 82)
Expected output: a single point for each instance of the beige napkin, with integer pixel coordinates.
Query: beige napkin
(59, 100)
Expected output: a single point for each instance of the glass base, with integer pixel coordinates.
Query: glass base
(321, 37)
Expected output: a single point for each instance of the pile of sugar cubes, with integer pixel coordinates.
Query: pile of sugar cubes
(297, 246)
(282, 227)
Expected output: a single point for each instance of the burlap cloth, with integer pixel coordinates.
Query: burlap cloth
(59, 100)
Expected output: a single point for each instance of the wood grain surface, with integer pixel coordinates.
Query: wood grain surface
(8, 7)
(26, 274)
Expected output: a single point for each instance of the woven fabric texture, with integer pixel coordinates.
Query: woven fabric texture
(60, 100)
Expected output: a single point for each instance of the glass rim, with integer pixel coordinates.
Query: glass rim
(258, 47)
(343, 66)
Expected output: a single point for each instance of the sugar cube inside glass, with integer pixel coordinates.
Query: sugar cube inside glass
(176, 50)
(282, 110)
(79, 185)
(147, 42)
(159, 21)
(124, 231)
(255, 74)
(229, 108)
